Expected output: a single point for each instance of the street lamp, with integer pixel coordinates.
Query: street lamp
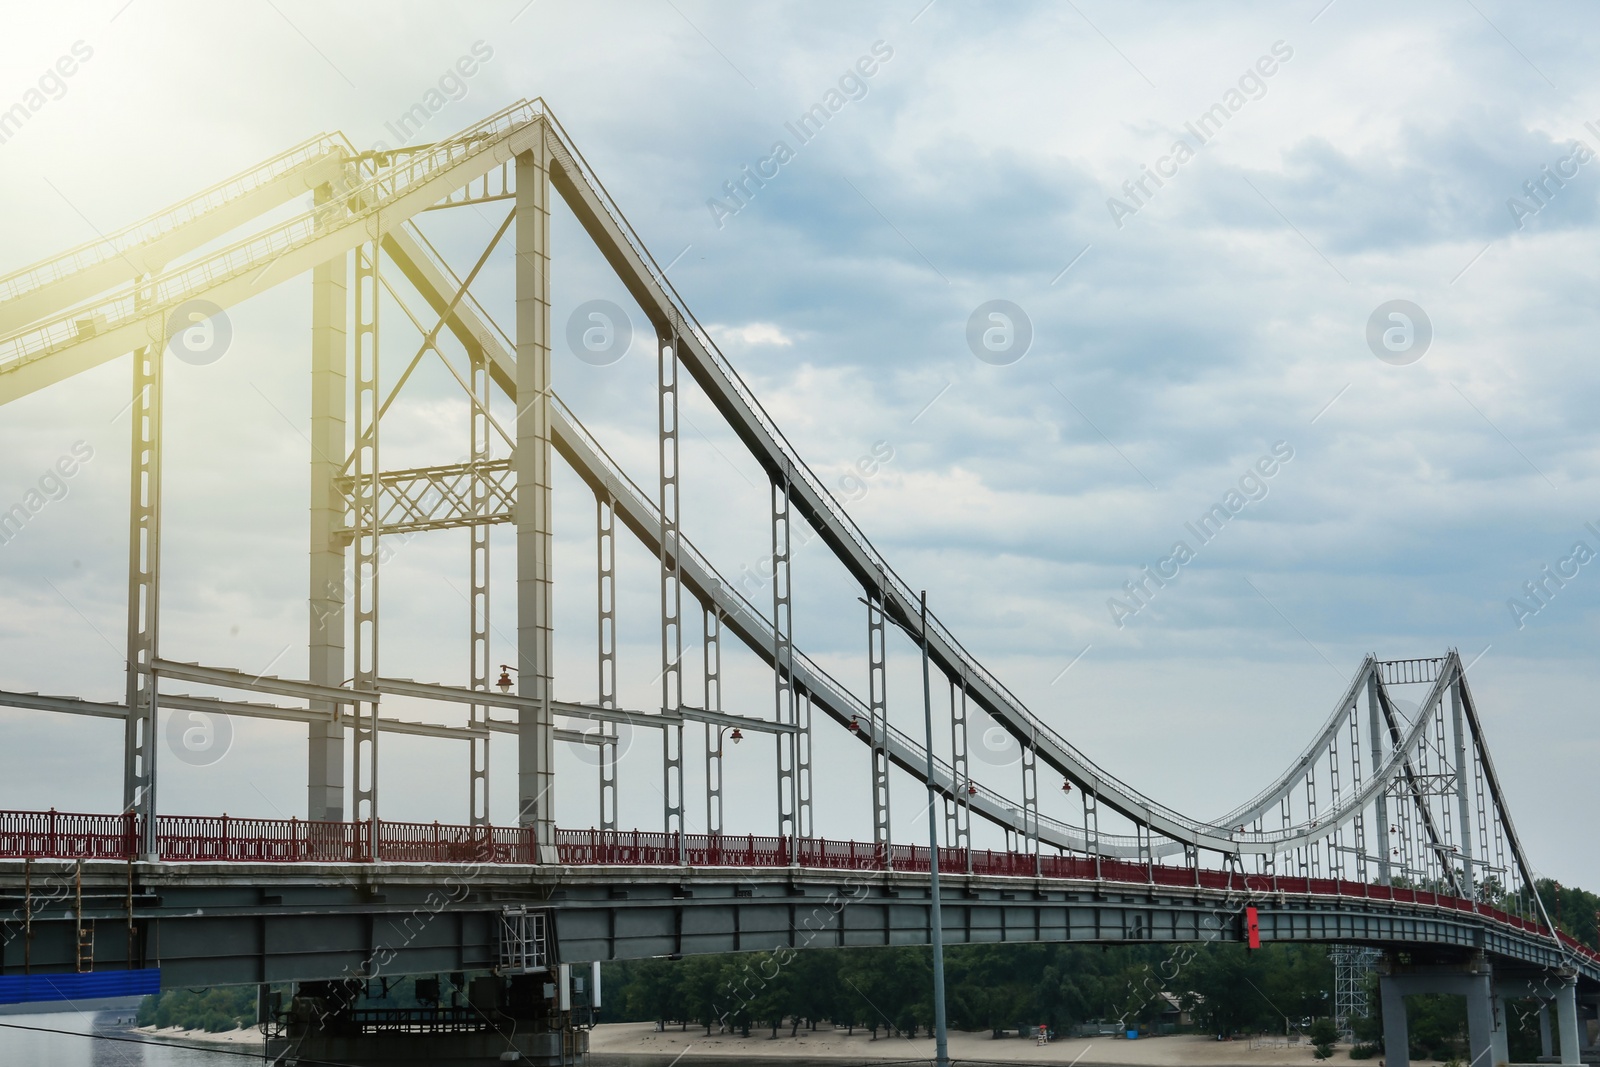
(503, 683)
(941, 1043)
(735, 737)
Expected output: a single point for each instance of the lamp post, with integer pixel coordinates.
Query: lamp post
(735, 737)
(941, 1042)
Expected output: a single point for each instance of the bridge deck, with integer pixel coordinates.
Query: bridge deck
(231, 899)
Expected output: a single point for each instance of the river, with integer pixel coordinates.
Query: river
(100, 1039)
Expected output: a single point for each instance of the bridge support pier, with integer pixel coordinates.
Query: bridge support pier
(1554, 989)
(1567, 1020)
(1500, 1037)
(1486, 1031)
(1588, 1007)
(1396, 1035)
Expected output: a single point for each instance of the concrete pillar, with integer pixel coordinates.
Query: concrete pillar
(1480, 1021)
(1396, 1036)
(1546, 1046)
(1500, 1040)
(1567, 1020)
(1589, 1007)
(535, 731)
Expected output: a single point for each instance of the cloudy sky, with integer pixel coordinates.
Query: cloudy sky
(1336, 158)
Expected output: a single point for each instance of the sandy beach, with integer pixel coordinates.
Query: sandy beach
(247, 1038)
(639, 1045)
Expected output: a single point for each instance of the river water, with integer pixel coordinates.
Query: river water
(89, 1042)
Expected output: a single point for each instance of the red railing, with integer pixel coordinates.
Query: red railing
(201, 838)
(190, 838)
(62, 835)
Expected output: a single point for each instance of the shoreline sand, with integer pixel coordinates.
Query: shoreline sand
(640, 1045)
(246, 1038)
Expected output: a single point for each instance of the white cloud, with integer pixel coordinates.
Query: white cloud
(750, 335)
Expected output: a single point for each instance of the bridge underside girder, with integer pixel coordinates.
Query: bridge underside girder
(239, 923)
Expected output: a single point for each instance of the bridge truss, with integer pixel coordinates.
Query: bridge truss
(1391, 790)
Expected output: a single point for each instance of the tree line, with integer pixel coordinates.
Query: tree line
(1223, 988)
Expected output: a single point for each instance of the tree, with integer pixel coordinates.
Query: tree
(1323, 1037)
(700, 978)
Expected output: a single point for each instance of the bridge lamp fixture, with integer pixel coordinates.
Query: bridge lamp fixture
(503, 683)
(1066, 786)
(736, 735)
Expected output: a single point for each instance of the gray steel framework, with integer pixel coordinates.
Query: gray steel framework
(784, 695)
(479, 656)
(532, 456)
(329, 541)
(366, 529)
(711, 647)
(878, 721)
(671, 582)
(1354, 968)
(957, 812)
(606, 647)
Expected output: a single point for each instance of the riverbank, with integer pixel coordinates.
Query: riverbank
(639, 1045)
(247, 1039)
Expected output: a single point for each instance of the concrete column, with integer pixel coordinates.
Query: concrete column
(325, 772)
(1546, 1045)
(1396, 1035)
(1480, 1021)
(1500, 1040)
(1567, 1020)
(535, 733)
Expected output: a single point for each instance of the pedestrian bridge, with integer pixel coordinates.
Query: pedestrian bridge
(1391, 829)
